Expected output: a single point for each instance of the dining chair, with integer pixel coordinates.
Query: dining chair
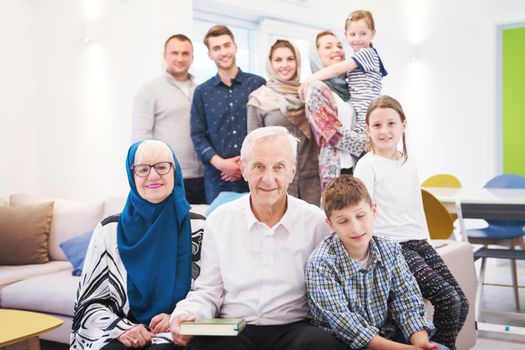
(442, 180)
(439, 222)
(503, 232)
(493, 211)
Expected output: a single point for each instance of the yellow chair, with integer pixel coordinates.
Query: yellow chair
(442, 180)
(440, 223)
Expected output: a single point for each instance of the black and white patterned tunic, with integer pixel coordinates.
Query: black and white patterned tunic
(102, 305)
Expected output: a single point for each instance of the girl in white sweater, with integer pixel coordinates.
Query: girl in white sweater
(391, 178)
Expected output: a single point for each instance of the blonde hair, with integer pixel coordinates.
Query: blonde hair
(153, 149)
(342, 192)
(267, 133)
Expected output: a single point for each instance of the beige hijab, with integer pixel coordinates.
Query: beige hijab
(283, 96)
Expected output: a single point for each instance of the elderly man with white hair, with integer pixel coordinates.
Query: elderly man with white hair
(253, 257)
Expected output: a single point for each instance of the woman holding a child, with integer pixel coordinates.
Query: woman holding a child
(331, 114)
(278, 104)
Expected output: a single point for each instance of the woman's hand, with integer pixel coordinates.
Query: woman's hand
(178, 339)
(160, 324)
(303, 88)
(136, 337)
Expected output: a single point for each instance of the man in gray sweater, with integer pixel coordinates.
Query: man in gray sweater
(161, 111)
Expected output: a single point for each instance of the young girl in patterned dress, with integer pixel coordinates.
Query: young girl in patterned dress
(391, 179)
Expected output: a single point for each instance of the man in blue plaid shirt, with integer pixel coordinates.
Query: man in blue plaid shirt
(359, 286)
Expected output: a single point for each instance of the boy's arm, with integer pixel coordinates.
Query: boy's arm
(329, 304)
(420, 338)
(407, 305)
(380, 343)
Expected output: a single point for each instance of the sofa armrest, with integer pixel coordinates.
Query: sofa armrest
(459, 258)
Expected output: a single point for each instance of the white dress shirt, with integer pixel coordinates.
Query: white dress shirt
(252, 271)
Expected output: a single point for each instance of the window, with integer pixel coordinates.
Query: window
(253, 39)
(303, 37)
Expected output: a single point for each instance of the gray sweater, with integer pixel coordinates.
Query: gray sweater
(161, 111)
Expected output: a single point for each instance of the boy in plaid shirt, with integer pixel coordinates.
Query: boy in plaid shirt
(359, 285)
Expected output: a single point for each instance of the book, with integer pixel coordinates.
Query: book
(213, 326)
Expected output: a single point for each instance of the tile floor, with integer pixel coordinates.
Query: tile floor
(501, 299)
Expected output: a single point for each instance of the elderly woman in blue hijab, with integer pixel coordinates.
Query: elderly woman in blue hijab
(139, 263)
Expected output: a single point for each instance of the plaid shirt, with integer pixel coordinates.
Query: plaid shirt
(355, 303)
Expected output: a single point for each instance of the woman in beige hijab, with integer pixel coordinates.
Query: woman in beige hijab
(277, 104)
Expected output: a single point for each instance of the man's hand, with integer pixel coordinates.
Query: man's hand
(178, 339)
(160, 323)
(230, 167)
(136, 337)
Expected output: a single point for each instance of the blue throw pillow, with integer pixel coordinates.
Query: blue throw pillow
(75, 250)
(223, 197)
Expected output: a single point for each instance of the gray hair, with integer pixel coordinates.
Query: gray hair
(265, 133)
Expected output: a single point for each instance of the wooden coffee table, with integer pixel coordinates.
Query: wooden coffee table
(20, 329)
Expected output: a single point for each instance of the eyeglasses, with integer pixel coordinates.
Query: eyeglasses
(143, 170)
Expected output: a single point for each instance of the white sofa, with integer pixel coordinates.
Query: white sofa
(458, 256)
(50, 288)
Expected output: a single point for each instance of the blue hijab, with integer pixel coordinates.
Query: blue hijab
(154, 242)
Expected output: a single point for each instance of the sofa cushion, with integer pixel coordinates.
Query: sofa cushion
(56, 293)
(75, 250)
(70, 219)
(24, 233)
(14, 273)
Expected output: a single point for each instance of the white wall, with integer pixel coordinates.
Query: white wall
(66, 105)
(67, 118)
(18, 134)
(449, 92)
